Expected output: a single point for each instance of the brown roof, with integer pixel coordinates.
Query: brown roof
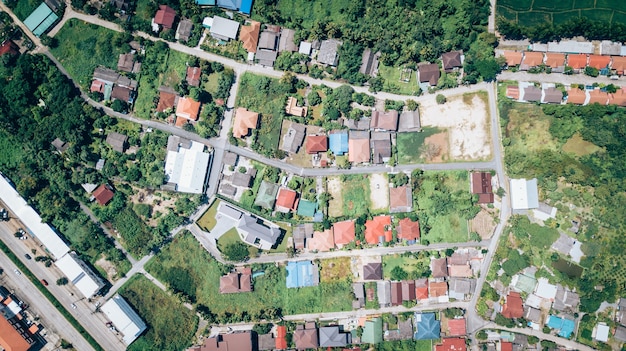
(396, 293)
(305, 338)
(372, 271)
(400, 199)
(619, 64)
(597, 96)
(234, 282)
(456, 327)
(244, 121)
(512, 91)
(117, 141)
(618, 98)
(481, 184)
(193, 76)
(97, 86)
(552, 95)
(439, 267)
(125, 62)
(239, 341)
(165, 16)
(532, 58)
(9, 47)
(166, 101)
(599, 62)
(343, 232)
(577, 61)
(378, 229)
(451, 60)
(532, 93)
(385, 120)
(286, 40)
(513, 307)
(513, 58)
(408, 290)
(437, 289)
(576, 96)
(268, 40)
(188, 108)
(249, 35)
(460, 271)
(358, 150)
(321, 241)
(103, 194)
(121, 93)
(316, 143)
(408, 230)
(555, 60)
(429, 73)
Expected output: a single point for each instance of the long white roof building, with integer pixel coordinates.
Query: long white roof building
(524, 194)
(187, 167)
(85, 280)
(124, 318)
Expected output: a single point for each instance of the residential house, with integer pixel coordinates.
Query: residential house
(327, 53)
(372, 271)
(545, 290)
(193, 76)
(456, 327)
(9, 47)
(409, 121)
(513, 58)
(243, 6)
(429, 73)
(408, 230)
(620, 333)
(307, 208)
(286, 42)
(121, 5)
(451, 60)
(532, 314)
(359, 294)
(460, 271)
(437, 289)
(531, 94)
(165, 17)
(266, 196)
(301, 274)
(378, 230)
(400, 200)
(316, 143)
(305, 336)
(427, 327)
(321, 241)
(513, 307)
(451, 344)
(461, 288)
(618, 98)
(577, 96)
(383, 287)
(183, 32)
(249, 36)
(512, 92)
(266, 342)
(552, 96)
(421, 289)
(408, 290)
(103, 194)
(224, 28)
(126, 62)
(343, 232)
(305, 48)
(531, 59)
(244, 121)
(235, 282)
(266, 57)
(564, 325)
(338, 142)
(524, 282)
(252, 230)
(597, 96)
(188, 109)
(230, 158)
(117, 141)
(293, 138)
(332, 336)
(380, 143)
(565, 300)
(577, 61)
(396, 293)
(481, 185)
(372, 331)
(167, 101)
(358, 147)
(123, 94)
(385, 120)
(268, 41)
(618, 64)
(302, 233)
(439, 267)
(239, 340)
(60, 145)
(281, 337)
(600, 63)
(362, 123)
(556, 61)
(286, 200)
(524, 194)
(369, 62)
(293, 109)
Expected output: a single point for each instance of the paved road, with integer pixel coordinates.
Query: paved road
(94, 323)
(558, 78)
(570, 344)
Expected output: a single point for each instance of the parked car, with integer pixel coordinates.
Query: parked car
(17, 272)
(44, 282)
(27, 256)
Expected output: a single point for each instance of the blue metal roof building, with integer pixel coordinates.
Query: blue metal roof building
(205, 2)
(301, 274)
(338, 142)
(40, 20)
(563, 325)
(427, 327)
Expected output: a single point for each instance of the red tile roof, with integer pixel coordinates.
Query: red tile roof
(9, 47)
(281, 341)
(97, 86)
(513, 307)
(400, 199)
(577, 61)
(597, 96)
(451, 344)
(316, 143)
(576, 96)
(166, 100)
(193, 76)
(619, 64)
(165, 16)
(244, 121)
(408, 230)
(481, 184)
(10, 338)
(188, 108)
(379, 226)
(249, 35)
(513, 58)
(286, 199)
(321, 241)
(437, 289)
(103, 194)
(421, 289)
(512, 91)
(506, 346)
(618, 98)
(359, 150)
(532, 58)
(599, 62)
(234, 282)
(456, 327)
(555, 60)
(344, 232)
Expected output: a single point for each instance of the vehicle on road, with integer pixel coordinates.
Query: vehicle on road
(4, 215)
(17, 272)
(73, 306)
(20, 233)
(27, 256)
(44, 282)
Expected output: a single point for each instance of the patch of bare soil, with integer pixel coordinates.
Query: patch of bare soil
(436, 148)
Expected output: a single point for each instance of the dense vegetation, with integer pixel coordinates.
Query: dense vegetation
(545, 32)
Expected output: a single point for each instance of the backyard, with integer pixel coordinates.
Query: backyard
(171, 326)
(416, 265)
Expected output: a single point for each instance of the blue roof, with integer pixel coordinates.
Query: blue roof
(205, 2)
(301, 274)
(427, 327)
(229, 4)
(41, 19)
(47, 23)
(564, 326)
(246, 6)
(338, 142)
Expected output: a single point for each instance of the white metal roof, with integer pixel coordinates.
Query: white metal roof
(79, 274)
(545, 290)
(124, 318)
(51, 240)
(224, 27)
(187, 168)
(524, 194)
(602, 332)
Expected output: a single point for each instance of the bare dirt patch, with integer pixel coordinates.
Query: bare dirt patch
(483, 224)
(109, 268)
(379, 192)
(436, 148)
(335, 205)
(156, 200)
(467, 120)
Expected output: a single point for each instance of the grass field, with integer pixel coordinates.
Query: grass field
(410, 145)
(83, 47)
(335, 270)
(579, 147)
(393, 83)
(356, 195)
(409, 264)
(170, 325)
(316, 11)
(529, 12)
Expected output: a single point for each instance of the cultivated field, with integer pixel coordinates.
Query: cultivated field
(534, 12)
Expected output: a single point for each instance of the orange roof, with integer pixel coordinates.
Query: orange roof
(512, 91)
(619, 64)
(576, 96)
(244, 121)
(281, 341)
(188, 108)
(180, 121)
(513, 307)
(532, 58)
(321, 241)
(377, 228)
(506, 346)
(193, 76)
(408, 230)
(438, 289)
(343, 232)
(619, 98)
(249, 35)
(597, 96)
(555, 60)
(452, 344)
(286, 198)
(577, 61)
(10, 339)
(316, 143)
(456, 327)
(599, 62)
(359, 150)
(421, 292)
(513, 58)
(103, 194)
(97, 86)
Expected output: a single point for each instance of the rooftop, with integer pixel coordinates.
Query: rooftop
(378, 230)
(249, 35)
(302, 274)
(408, 230)
(400, 199)
(427, 327)
(244, 121)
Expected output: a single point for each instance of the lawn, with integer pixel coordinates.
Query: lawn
(207, 221)
(231, 237)
(184, 256)
(356, 195)
(528, 12)
(410, 145)
(391, 261)
(393, 83)
(335, 270)
(423, 345)
(171, 326)
(309, 13)
(449, 229)
(83, 47)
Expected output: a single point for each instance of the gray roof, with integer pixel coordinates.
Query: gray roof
(183, 32)
(361, 124)
(174, 142)
(105, 74)
(241, 179)
(301, 233)
(125, 62)
(552, 95)
(563, 244)
(372, 271)
(328, 52)
(126, 82)
(359, 134)
(532, 93)
(286, 40)
(254, 231)
(117, 141)
(384, 292)
(620, 333)
(267, 342)
(60, 145)
(333, 337)
(359, 291)
(381, 149)
(224, 28)
(230, 158)
(565, 299)
(229, 211)
(409, 121)
(266, 57)
(458, 288)
(293, 138)
(267, 40)
(533, 314)
(228, 190)
(369, 62)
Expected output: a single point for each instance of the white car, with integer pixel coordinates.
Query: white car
(17, 272)
(73, 306)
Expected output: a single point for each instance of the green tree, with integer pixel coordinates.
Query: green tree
(441, 99)
(592, 71)
(119, 106)
(398, 273)
(314, 98)
(237, 252)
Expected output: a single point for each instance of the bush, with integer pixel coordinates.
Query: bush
(441, 99)
(236, 252)
(262, 328)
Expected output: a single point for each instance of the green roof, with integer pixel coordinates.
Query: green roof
(307, 208)
(266, 196)
(526, 283)
(373, 331)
